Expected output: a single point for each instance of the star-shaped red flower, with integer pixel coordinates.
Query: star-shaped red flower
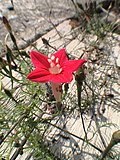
(54, 68)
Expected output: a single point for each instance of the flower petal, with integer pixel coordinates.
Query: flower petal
(39, 75)
(63, 77)
(61, 54)
(73, 65)
(39, 60)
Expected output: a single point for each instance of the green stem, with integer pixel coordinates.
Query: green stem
(11, 129)
(114, 140)
(79, 79)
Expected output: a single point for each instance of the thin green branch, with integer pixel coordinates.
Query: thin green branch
(114, 140)
(12, 128)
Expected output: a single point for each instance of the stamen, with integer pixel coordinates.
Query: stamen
(52, 64)
(55, 67)
(49, 55)
(60, 70)
(49, 60)
(57, 59)
(52, 57)
(58, 65)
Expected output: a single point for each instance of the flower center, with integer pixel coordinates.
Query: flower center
(55, 67)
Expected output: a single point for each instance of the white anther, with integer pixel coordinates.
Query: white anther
(60, 70)
(49, 60)
(52, 57)
(58, 65)
(49, 55)
(57, 59)
(52, 64)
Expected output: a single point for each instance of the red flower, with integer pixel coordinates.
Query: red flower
(54, 68)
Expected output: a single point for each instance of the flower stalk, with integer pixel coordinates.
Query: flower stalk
(57, 91)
